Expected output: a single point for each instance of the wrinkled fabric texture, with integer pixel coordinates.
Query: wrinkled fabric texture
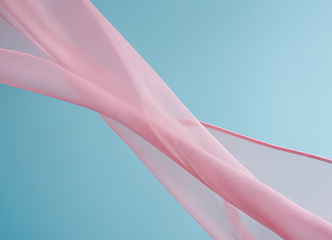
(69, 51)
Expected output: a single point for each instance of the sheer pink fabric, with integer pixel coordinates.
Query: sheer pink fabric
(71, 52)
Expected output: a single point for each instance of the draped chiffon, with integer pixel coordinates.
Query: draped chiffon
(229, 184)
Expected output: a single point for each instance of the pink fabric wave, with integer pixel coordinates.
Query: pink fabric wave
(74, 54)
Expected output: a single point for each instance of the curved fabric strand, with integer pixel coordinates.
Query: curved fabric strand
(69, 51)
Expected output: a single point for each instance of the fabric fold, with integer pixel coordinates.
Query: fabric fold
(90, 64)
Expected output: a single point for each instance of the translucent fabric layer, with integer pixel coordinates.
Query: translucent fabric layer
(68, 50)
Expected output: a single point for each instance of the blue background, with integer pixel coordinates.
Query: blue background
(259, 68)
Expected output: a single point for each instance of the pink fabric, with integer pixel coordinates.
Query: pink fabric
(80, 58)
(266, 144)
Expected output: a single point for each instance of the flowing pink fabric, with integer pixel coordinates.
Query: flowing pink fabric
(69, 51)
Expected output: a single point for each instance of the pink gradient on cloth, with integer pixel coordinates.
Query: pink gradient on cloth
(80, 58)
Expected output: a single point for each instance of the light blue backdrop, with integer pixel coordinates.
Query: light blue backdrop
(259, 68)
